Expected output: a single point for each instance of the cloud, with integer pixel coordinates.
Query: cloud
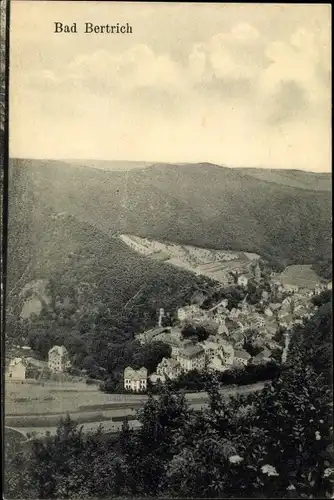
(299, 60)
(239, 96)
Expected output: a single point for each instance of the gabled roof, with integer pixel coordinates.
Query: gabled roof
(132, 374)
(60, 349)
(192, 351)
(241, 354)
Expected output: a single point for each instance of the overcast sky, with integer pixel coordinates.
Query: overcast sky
(241, 85)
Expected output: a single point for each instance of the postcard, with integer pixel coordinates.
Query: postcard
(167, 258)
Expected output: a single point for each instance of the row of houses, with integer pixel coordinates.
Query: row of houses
(58, 362)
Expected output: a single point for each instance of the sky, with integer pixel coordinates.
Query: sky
(241, 85)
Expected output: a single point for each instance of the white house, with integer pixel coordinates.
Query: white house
(169, 368)
(17, 369)
(58, 359)
(135, 380)
(268, 312)
(188, 313)
(242, 280)
(228, 354)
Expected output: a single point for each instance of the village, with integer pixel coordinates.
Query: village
(281, 307)
(233, 336)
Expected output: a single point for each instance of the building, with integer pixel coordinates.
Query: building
(191, 357)
(241, 357)
(228, 354)
(263, 357)
(168, 368)
(150, 335)
(329, 285)
(135, 380)
(268, 312)
(17, 369)
(217, 364)
(242, 280)
(234, 313)
(58, 359)
(211, 349)
(188, 313)
(256, 321)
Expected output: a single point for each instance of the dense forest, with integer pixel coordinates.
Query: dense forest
(97, 297)
(273, 444)
(174, 203)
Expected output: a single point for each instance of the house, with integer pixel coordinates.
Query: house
(291, 288)
(228, 354)
(237, 337)
(242, 280)
(191, 357)
(263, 357)
(265, 295)
(241, 357)
(234, 313)
(211, 349)
(135, 380)
(17, 369)
(283, 314)
(287, 302)
(188, 313)
(217, 364)
(58, 359)
(329, 285)
(150, 335)
(257, 321)
(268, 312)
(168, 368)
(275, 306)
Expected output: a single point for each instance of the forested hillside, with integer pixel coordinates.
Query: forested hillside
(100, 293)
(200, 204)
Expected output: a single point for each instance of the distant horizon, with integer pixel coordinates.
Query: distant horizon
(175, 163)
(246, 84)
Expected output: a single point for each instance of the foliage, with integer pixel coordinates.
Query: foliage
(199, 332)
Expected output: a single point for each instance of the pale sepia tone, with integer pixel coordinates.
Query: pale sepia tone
(169, 265)
(191, 83)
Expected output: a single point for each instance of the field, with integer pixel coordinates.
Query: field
(215, 264)
(300, 275)
(55, 398)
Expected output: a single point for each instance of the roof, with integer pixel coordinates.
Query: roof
(16, 361)
(192, 351)
(241, 354)
(132, 374)
(210, 345)
(154, 331)
(170, 361)
(275, 305)
(60, 349)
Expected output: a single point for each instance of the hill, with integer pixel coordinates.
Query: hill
(293, 178)
(89, 284)
(202, 205)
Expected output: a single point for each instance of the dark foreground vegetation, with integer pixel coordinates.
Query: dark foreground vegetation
(275, 443)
